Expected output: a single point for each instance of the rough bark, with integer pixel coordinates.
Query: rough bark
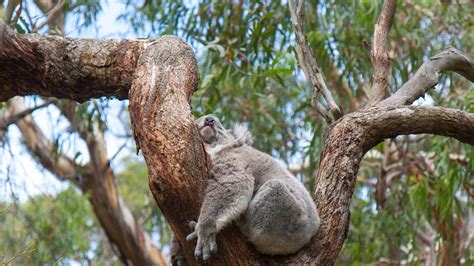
(166, 76)
(163, 126)
(97, 181)
(78, 69)
(346, 143)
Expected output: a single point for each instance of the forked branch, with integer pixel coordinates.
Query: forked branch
(427, 76)
(379, 53)
(96, 179)
(346, 143)
(310, 67)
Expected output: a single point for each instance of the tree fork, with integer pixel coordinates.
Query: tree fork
(164, 130)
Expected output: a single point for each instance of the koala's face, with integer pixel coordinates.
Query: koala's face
(210, 128)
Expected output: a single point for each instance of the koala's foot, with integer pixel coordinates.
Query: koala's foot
(206, 243)
(177, 257)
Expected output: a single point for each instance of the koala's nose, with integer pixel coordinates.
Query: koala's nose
(209, 121)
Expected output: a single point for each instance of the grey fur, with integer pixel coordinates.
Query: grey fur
(270, 206)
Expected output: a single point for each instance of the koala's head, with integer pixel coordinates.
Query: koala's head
(211, 130)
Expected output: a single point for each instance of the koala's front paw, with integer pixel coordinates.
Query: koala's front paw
(206, 243)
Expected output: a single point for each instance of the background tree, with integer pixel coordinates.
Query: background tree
(249, 73)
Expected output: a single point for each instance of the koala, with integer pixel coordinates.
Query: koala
(246, 186)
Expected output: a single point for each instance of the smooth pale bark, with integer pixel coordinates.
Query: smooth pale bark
(426, 77)
(310, 67)
(379, 53)
(166, 76)
(97, 181)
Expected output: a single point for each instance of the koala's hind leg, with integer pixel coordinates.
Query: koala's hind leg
(276, 221)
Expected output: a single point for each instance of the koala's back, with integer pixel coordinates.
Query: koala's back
(281, 216)
(264, 167)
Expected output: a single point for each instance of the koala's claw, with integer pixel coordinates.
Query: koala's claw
(192, 225)
(206, 243)
(193, 235)
(205, 247)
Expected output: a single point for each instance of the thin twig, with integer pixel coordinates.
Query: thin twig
(310, 67)
(17, 14)
(379, 52)
(52, 15)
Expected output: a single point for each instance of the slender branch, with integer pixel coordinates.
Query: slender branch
(43, 150)
(379, 55)
(11, 5)
(97, 181)
(427, 76)
(6, 121)
(310, 66)
(53, 14)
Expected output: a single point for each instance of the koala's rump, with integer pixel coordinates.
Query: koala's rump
(281, 217)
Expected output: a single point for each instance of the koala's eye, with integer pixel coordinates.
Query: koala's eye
(209, 121)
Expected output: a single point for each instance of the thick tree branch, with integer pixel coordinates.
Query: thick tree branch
(78, 69)
(97, 181)
(163, 127)
(310, 67)
(427, 76)
(340, 160)
(379, 55)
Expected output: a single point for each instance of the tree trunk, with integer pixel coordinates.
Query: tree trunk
(96, 180)
(165, 78)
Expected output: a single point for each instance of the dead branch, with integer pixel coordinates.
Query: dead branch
(310, 67)
(97, 181)
(427, 76)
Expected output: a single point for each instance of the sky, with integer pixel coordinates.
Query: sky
(20, 175)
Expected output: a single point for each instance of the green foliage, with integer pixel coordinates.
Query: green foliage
(62, 228)
(46, 229)
(249, 74)
(133, 187)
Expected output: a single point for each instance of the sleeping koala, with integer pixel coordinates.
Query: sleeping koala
(269, 205)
